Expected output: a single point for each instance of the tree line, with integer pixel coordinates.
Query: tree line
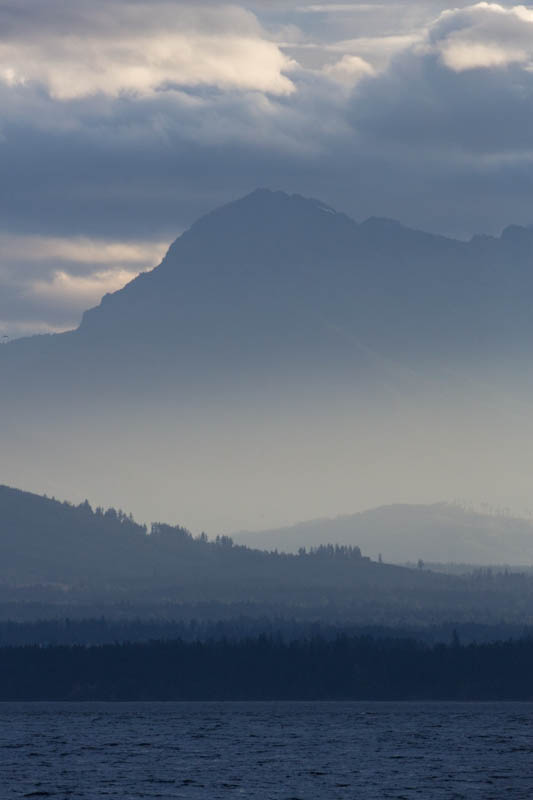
(268, 668)
(102, 630)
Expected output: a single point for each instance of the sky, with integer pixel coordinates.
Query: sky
(122, 121)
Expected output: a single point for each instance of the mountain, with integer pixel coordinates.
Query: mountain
(284, 359)
(275, 275)
(274, 278)
(442, 533)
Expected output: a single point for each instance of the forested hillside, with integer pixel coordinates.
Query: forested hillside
(46, 542)
(79, 560)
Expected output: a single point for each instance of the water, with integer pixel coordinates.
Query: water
(266, 750)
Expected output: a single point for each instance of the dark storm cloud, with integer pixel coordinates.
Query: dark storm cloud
(89, 163)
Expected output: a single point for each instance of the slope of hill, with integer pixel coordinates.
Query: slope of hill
(45, 542)
(58, 555)
(441, 532)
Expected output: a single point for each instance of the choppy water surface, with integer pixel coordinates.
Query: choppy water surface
(266, 750)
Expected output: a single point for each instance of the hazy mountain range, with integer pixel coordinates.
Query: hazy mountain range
(442, 532)
(76, 551)
(56, 558)
(285, 362)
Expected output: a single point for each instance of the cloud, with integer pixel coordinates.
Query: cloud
(484, 36)
(378, 50)
(79, 249)
(125, 47)
(47, 282)
(148, 165)
(14, 329)
(83, 291)
(464, 91)
(349, 70)
(405, 111)
(332, 8)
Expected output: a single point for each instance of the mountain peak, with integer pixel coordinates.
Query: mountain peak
(269, 203)
(264, 226)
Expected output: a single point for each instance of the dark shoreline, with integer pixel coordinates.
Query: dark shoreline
(268, 669)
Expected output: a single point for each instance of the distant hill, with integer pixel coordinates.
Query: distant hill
(57, 555)
(441, 532)
(44, 542)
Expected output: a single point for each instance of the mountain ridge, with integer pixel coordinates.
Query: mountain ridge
(66, 558)
(402, 532)
(47, 542)
(270, 245)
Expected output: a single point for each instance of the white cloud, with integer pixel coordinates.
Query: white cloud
(349, 70)
(78, 292)
(47, 282)
(485, 35)
(128, 47)
(79, 249)
(10, 329)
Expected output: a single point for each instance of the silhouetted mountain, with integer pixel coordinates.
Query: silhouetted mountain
(441, 532)
(275, 278)
(273, 273)
(281, 334)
